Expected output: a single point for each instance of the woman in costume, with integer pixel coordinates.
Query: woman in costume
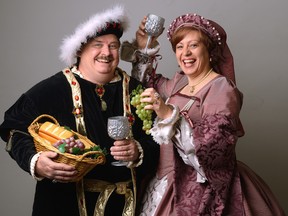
(83, 96)
(197, 126)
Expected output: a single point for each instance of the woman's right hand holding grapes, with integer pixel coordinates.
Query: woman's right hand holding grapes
(156, 103)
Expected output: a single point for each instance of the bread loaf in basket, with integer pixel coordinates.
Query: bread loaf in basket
(45, 134)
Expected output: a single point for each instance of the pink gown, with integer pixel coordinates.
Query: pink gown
(230, 187)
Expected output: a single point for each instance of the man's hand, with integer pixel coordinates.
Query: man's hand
(60, 172)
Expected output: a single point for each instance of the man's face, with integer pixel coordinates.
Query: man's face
(99, 58)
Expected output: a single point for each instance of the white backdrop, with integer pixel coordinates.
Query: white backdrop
(31, 32)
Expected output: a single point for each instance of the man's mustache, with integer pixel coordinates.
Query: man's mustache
(105, 58)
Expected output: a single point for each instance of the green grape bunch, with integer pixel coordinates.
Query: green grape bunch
(143, 114)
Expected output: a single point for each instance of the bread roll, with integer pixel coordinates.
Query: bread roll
(53, 132)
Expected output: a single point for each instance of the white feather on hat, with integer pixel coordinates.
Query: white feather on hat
(89, 29)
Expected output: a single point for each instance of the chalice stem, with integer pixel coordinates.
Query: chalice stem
(147, 43)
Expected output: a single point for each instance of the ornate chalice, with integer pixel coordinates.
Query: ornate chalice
(154, 26)
(118, 128)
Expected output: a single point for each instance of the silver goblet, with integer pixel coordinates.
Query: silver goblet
(154, 26)
(118, 128)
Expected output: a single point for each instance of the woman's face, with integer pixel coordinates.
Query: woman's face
(192, 55)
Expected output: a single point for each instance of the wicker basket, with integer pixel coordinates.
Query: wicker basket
(83, 163)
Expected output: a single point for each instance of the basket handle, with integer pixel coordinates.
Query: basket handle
(89, 153)
(45, 116)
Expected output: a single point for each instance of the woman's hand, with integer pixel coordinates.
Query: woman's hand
(142, 36)
(156, 103)
(59, 172)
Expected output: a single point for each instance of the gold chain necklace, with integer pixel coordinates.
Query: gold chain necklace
(192, 88)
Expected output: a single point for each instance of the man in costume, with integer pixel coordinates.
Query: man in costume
(83, 96)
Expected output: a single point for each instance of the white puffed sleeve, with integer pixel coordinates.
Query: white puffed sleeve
(183, 141)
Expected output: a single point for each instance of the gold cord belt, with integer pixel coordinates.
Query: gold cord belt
(105, 189)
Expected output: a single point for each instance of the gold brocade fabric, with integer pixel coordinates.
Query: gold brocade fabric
(128, 189)
(105, 189)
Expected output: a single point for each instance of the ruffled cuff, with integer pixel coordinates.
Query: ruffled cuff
(138, 162)
(32, 166)
(163, 130)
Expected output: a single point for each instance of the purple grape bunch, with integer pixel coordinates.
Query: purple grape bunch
(70, 145)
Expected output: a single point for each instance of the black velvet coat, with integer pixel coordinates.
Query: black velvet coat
(52, 96)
